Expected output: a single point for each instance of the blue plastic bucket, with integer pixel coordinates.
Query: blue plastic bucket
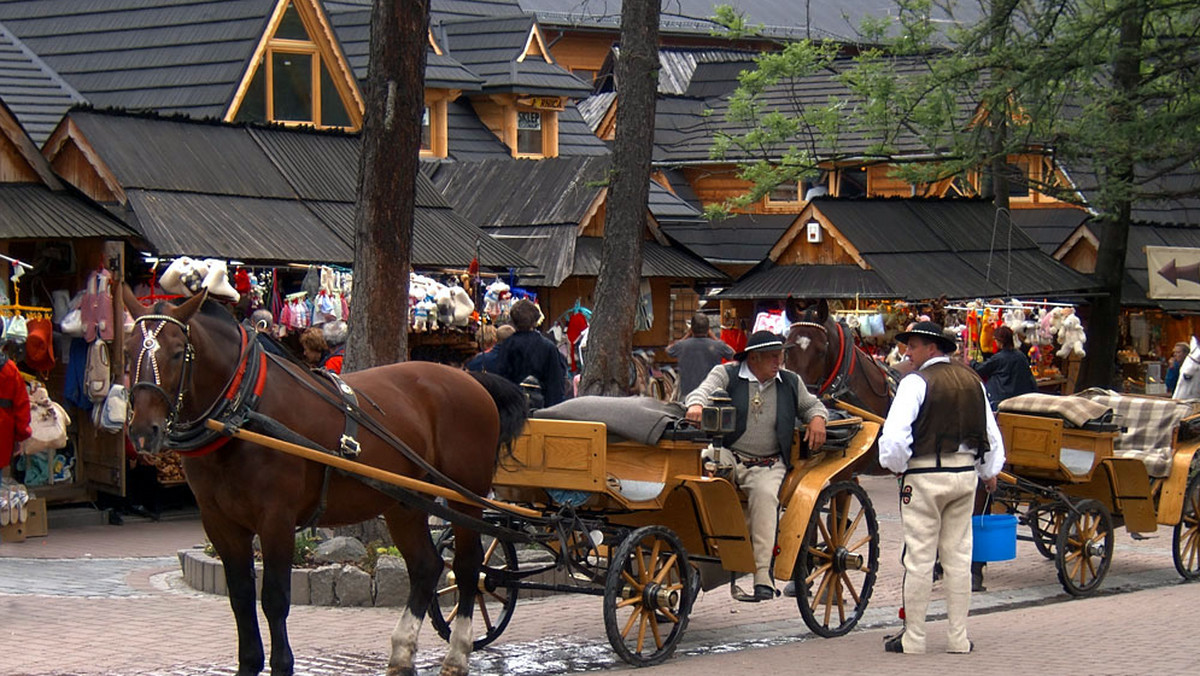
(995, 537)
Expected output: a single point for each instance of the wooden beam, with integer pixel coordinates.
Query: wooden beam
(368, 471)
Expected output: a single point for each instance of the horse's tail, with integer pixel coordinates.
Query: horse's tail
(512, 405)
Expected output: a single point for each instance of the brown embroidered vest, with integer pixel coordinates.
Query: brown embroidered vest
(954, 412)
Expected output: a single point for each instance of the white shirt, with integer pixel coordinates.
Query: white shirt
(896, 440)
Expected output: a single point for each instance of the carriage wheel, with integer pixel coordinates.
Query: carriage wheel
(835, 569)
(1186, 549)
(647, 596)
(495, 601)
(1084, 548)
(1044, 523)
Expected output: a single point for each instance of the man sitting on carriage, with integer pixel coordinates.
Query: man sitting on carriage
(768, 400)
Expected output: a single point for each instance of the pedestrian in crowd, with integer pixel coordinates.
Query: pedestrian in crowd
(312, 341)
(1007, 372)
(767, 399)
(487, 338)
(264, 325)
(898, 359)
(14, 408)
(334, 333)
(1174, 364)
(939, 435)
(698, 353)
(528, 353)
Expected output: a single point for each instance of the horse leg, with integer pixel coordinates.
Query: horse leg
(410, 533)
(235, 546)
(278, 547)
(468, 560)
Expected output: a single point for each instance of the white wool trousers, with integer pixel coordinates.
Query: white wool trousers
(935, 510)
(761, 485)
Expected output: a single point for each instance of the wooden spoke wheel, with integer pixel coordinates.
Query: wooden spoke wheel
(1186, 543)
(838, 560)
(495, 600)
(1084, 549)
(648, 594)
(1044, 523)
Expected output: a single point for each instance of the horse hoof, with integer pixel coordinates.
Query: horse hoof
(401, 671)
(448, 670)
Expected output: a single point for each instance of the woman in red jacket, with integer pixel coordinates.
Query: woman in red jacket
(14, 410)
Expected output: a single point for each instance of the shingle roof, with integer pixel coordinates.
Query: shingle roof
(741, 239)
(594, 107)
(352, 23)
(502, 193)
(35, 94)
(778, 18)
(701, 72)
(491, 48)
(918, 249)
(183, 56)
(1050, 228)
(469, 140)
(550, 248)
(657, 261)
(34, 211)
(685, 129)
(810, 281)
(267, 194)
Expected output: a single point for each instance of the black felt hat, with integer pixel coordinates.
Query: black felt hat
(761, 341)
(930, 331)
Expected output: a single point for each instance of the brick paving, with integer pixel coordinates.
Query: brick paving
(108, 600)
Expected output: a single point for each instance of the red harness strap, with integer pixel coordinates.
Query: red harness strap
(837, 368)
(230, 393)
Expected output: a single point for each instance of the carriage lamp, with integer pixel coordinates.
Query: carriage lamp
(720, 416)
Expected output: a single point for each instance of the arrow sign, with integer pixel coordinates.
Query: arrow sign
(1173, 273)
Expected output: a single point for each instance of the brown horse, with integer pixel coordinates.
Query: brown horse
(194, 361)
(823, 352)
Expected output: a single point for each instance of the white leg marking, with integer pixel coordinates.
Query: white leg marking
(460, 647)
(404, 641)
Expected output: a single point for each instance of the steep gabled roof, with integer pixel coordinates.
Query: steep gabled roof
(35, 94)
(172, 56)
(352, 22)
(259, 193)
(744, 239)
(510, 55)
(502, 193)
(35, 204)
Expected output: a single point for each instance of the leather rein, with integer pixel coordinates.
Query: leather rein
(837, 383)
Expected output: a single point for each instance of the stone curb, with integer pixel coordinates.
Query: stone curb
(330, 585)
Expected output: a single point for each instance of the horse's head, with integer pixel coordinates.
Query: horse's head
(1191, 364)
(158, 358)
(809, 343)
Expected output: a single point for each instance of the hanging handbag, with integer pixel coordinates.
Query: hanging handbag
(47, 421)
(97, 374)
(112, 415)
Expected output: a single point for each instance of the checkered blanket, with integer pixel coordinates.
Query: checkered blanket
(1147, 426)
(1077, 411)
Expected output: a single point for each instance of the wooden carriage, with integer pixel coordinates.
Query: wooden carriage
(1073, 485)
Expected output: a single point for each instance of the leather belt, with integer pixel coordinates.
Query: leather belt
(756, 461)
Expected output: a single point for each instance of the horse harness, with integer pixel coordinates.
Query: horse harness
(837, 384)
(237, 407)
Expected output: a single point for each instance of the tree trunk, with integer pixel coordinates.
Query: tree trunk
(383, 217)
(610, 339)
(1098, 368)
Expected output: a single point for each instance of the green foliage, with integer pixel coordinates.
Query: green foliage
(306, 545)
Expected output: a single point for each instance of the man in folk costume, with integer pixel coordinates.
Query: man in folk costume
(768, 400)
(939, 434)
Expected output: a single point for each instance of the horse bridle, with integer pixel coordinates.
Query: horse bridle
(837, 384)
(149, 349)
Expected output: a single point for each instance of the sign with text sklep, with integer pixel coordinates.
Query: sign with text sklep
(1174, 272)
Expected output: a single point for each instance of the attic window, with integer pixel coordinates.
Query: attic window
(529, 132)
(292, 82)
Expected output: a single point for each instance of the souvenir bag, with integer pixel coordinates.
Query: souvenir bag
(17, 329)
(47, 421)
(97, 307)
(97, 374)
(112, 415)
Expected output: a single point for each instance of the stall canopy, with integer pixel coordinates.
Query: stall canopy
(257, 194)
(911, 249)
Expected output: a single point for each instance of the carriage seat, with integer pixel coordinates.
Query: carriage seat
(644, 420)
(1148, 426)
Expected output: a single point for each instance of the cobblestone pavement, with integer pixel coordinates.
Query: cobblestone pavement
(124, 611)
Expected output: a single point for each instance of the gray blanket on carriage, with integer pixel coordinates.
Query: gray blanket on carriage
(1077, 411)
(640, 419)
